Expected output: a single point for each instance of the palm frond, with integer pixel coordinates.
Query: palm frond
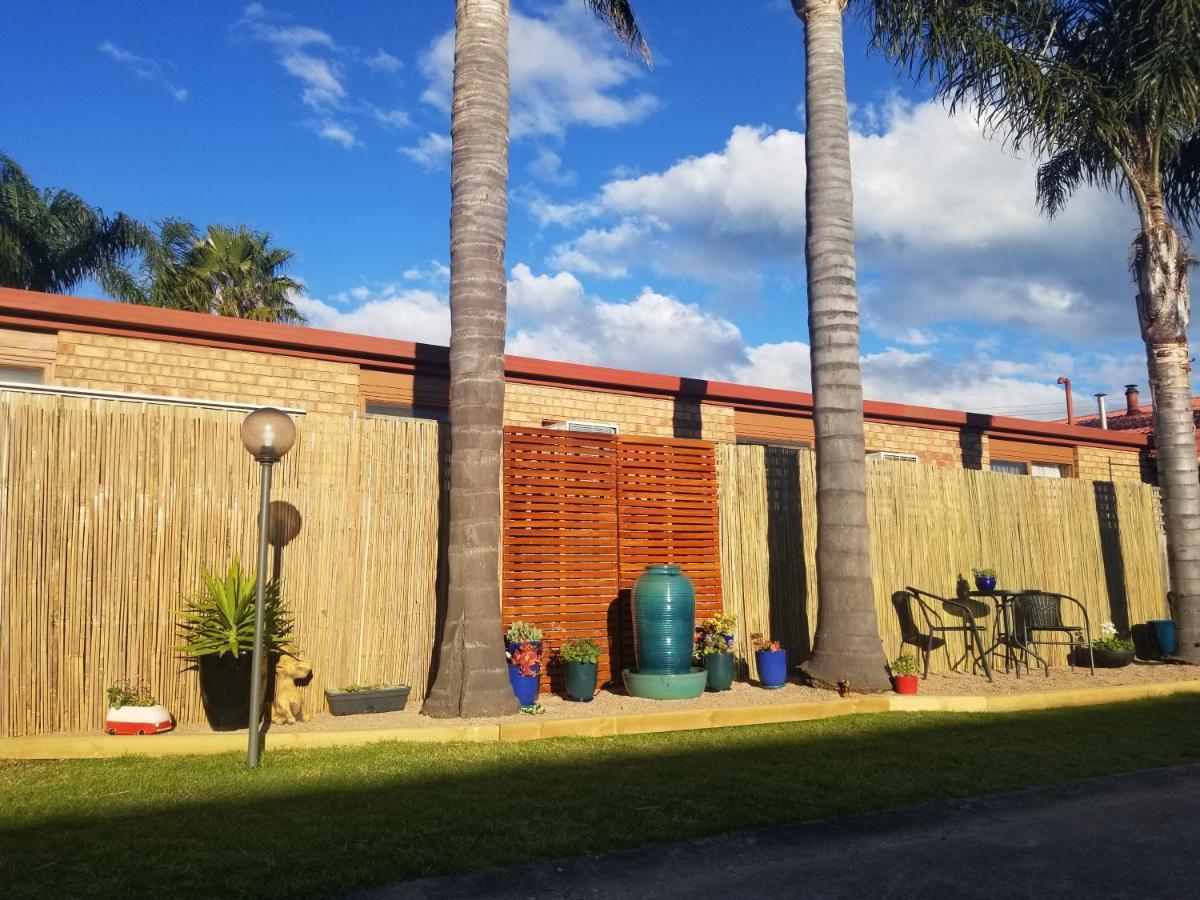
(1181, 182)
(618, 16)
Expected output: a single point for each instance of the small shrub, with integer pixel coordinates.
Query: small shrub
(984, 573)
(122, 694)
(522, 632)
(715, 635)
(220, 618)
(758, 642)
(905, 665)
(1109, 639)
(382, 686)
(580, 650)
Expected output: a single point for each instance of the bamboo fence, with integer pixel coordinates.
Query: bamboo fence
(1097, 541)
(110, 509)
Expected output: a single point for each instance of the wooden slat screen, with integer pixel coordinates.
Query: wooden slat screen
(584, 514)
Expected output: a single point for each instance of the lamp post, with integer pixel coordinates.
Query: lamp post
(267, 434)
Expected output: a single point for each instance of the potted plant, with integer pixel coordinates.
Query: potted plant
(524, 652)
(714, 646)
(1109, 651)
(985, 580)
(582, 656)
(217, 632)
(133, 710)
(771, 660)
(904, 674)
(355, 699)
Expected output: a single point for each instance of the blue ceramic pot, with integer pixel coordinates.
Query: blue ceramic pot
(1164, 634)
(526, 687)
(664, 621)
(985, 583)
(772, 668)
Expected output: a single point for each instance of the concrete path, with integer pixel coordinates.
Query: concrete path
(1134, 835)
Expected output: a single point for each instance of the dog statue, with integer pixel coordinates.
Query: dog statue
(288, 708)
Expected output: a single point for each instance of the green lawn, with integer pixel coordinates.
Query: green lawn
(320, 822)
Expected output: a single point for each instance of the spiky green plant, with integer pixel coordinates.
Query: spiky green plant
(220, 618)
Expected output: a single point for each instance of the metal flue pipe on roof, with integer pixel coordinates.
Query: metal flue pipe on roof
(1066, 383)
(1103, 411)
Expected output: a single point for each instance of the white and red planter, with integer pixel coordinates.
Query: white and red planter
(138, 720)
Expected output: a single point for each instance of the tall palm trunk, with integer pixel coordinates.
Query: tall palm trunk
(847, 644)
(471, 678)
(1160, 262)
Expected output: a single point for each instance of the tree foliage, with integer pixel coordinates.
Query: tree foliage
(1106, 91)
(52, 240)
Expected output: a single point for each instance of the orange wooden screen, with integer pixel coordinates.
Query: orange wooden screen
(584, 514)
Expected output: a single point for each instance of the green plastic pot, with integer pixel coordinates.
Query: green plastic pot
(720, 671)
(581, 681)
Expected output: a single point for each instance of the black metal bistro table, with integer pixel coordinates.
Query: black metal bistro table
(1004, 630)
(971, 610)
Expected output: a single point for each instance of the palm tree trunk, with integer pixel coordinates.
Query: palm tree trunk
(1160, 266)
(847, 644)
(472, 679)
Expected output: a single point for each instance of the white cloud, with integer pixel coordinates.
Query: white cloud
(431, 151)
(392, 118)
(946, 221)
(322, 78)
(543, 295)
(268, 26)
(565, 69)
(382, 61)
(146, 69)
(337, 132)
(547, 166)
(393, 311)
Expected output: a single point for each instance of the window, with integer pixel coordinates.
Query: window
(22, 374)
(396, 411)
(1009, 467)
(1049, 470)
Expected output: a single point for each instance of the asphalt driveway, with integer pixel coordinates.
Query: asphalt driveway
(1131, 835)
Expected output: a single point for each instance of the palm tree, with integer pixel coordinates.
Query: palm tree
(846, 645)
(52, 240)
(471, 679)
(224, 271)
(1108, 94)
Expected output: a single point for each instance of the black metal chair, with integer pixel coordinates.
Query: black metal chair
(1040, 612)
(910, 633)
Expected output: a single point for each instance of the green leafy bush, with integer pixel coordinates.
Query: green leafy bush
(522, 633)
(1109, 639)
(220, 618)
(984, 573)
(905, 665)
(581, 650)
(122, 694)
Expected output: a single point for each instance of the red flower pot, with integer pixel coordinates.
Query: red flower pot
(906, 684)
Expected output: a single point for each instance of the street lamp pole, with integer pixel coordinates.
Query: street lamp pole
(267, 434)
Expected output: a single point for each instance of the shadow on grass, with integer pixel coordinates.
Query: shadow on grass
(318, 823)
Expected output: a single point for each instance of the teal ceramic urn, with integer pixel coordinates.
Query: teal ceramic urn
(664, 621)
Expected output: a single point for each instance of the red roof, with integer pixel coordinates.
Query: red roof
(1141, 422)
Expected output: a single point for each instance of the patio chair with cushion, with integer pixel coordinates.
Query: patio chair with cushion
(1037, 613)
(934, 637)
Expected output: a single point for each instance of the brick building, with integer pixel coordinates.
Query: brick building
(96, 346)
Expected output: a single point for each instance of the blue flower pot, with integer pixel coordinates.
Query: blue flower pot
(772, 668)
(1164, 634)
(985, 583)
(526, 687)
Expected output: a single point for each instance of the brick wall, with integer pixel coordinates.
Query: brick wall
(933, 445)
(1099, 464)
(533, 405)
(110, 363)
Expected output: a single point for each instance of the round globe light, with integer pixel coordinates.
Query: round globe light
(268, 434)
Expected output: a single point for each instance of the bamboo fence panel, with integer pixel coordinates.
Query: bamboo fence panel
(110, 509)
(1097, 541)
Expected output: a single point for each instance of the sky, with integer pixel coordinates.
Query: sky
(656, 215)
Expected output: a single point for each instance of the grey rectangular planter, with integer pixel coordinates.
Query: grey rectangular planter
(352, 703)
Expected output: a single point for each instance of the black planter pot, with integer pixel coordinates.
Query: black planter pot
(225, 689)
(353, 703)
(1105, 659)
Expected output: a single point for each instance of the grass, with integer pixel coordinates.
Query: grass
(323, 822)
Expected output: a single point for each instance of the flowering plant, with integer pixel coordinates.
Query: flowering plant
(758, 642)
(715, 635)
(526, 657)
(905, 665)
(1109, 640)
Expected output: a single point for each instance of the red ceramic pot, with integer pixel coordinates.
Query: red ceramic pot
(905, 684)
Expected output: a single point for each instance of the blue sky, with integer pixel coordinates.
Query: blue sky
(656, 217)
